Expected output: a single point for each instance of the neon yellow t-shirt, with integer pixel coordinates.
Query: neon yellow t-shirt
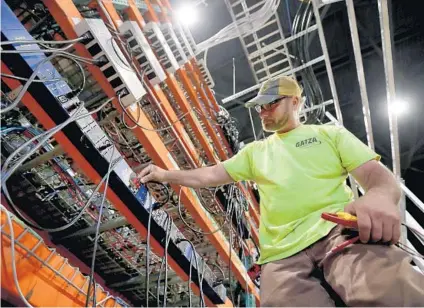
(299, 174)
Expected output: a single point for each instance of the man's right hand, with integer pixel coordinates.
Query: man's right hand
(152, 173)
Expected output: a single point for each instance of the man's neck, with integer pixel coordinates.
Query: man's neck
(288, 127)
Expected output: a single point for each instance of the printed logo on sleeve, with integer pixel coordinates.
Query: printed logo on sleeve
(308, 143)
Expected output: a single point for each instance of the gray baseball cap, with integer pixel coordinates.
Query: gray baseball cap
(275, 88)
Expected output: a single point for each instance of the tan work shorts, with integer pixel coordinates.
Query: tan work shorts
(361, 275)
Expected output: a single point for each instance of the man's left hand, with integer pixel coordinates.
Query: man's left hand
(378, 217)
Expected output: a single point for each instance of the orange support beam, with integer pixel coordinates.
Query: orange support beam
(45, 277)
(196, 126)
(208, 91)
(189, 87)
(193, 97)
(254, 206)
(200, 90)
(65, 13)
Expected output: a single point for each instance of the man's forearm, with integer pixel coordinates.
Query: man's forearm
(383, 182)
(189, 178)
(198, 178)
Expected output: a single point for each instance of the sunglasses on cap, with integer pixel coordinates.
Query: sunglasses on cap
(270, 106)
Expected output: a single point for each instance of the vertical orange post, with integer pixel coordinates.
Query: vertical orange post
(209, 93)
(200, 89)
(189, 87)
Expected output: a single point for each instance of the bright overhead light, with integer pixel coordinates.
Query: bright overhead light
(187, 15)
(399, 107)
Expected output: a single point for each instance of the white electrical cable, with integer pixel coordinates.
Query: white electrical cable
(97, 234)
(12, 253)
(22, 92)
(104, 300)
(35, 80)
(49, 133)
(242, 26)
(57, 52)
(41, 41)
(47, 50)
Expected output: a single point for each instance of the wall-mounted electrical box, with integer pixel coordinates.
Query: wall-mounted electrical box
(205, 73)
(116, 68)
(173, 42)
(142, 52)
(183, 40)
(161, 47)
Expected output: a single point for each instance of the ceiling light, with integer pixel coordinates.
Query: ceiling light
(399, 107)
(187, 15)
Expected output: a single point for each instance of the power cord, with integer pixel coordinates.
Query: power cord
(164, 262)
(136, 122)
(21, 93)
(97, 234)
(193, 252)
(153, 206)
(191, 228)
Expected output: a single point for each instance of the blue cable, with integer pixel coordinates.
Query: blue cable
(288, 14)
(6, 130)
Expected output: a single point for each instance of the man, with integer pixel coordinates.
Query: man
(301, 171)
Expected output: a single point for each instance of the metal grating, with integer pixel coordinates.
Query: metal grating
(264, 61)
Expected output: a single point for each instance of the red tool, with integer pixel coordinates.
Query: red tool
(344, 219)
(254, 271)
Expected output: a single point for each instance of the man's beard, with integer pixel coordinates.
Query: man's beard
(270, 126)
(273, 126)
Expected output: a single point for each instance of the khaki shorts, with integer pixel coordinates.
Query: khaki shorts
(361, 275)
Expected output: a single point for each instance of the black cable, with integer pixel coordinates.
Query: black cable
(197, 268)
(152, 206)
(189, 282)
(97, 234)
(229, 262)
(199, 193)
(191, 228)
(312, 88)
(202, 277)
(164, 261)
(147, 280)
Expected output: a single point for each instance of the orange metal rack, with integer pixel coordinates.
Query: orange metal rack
(91, 172)
(45, 277)
(133, 12)
(65, 13)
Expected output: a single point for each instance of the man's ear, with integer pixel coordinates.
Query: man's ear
(296, 102)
